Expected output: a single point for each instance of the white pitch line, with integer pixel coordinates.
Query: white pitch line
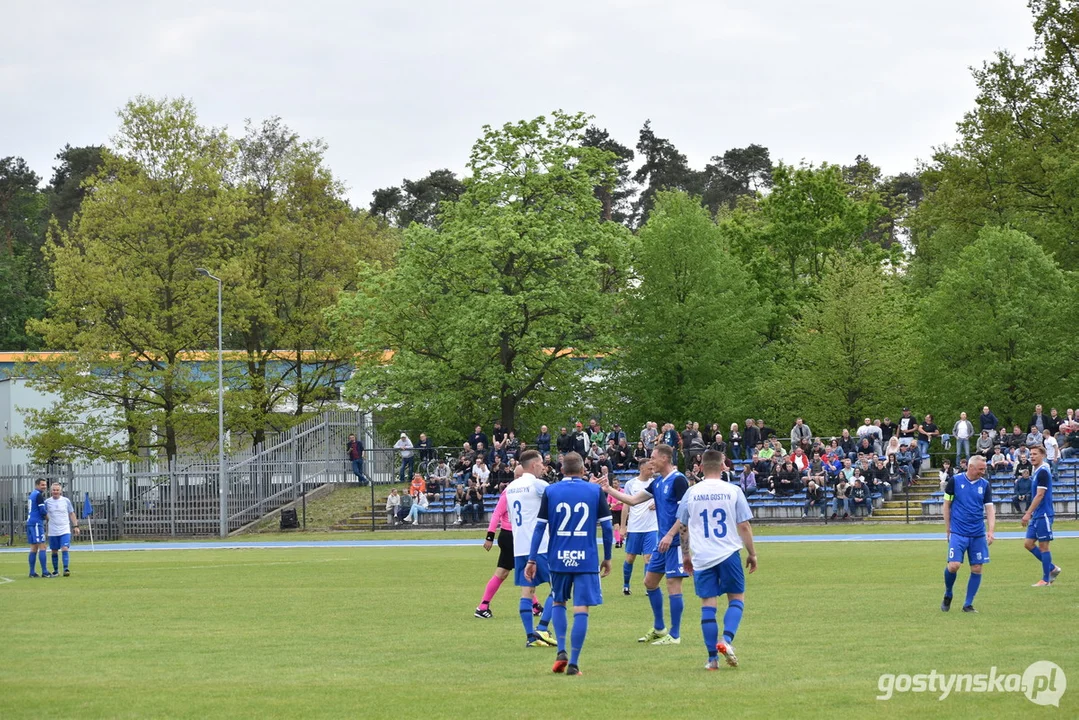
(5, 580)
(225, 566)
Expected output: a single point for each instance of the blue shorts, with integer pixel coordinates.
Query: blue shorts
(668, 563)
(56, 542)
(543, 574)
(1040, 529)
(584, 588)
(720, 579)
(35, 533)
(641, 543)
(975, 548)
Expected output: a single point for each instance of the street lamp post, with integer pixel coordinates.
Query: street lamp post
(222, 475)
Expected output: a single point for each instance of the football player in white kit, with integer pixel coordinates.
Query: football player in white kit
(641, 527)
(61, 517)
(523, 497)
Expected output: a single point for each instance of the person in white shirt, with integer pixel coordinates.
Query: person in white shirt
(404, 444)
(523, 498)
(480, 472)
(1052, 450)
(962, 431)
(868, 430)
(419, 507)
(641, 526)
(713, 520)
(62, 520)
(393, 503)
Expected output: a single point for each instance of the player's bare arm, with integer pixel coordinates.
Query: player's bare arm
(687, 560)
(991, 521)
(745, 531)
(1038, 497)
(637, 499)
(666, 540)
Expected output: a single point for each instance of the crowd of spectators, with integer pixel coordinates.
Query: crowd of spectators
(880, 457)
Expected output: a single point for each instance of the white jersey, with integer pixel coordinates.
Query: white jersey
(641, 517)
(59, 512)
(523, 497)
(711, 510)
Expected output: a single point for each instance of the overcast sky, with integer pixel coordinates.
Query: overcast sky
(399, 89)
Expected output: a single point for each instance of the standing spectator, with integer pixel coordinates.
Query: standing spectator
(697, 445)
(582, 441)
(686, 439)
(393, 504)
(962, 432)
(1052, 423)
(815, 498)
(404, 445)
(512, 446)
(477, 437)
(670, 436)
(616, 434)
(355, 451)
(640, 453)
(984, 446)
(926, 432)
(564, 443)
(649, 435)
(543, 441)
(596, 436)
(750, 438)
(988, 421)
(1038, 420)
(1021, 500)
(426, 449)
(497, 433)
(1052, 449)
(801, 435)
(908, 428)
(734, 442)
(765, 431)
(888, 430)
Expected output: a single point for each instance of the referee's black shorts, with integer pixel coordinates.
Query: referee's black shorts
(505, 549)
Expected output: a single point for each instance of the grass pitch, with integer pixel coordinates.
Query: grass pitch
(389, 632)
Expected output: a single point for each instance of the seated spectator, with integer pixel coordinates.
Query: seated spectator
(865, 449)
(441, 473)
(1017, 439)
(1000, 462)
(815, 498)
(481, 473)
(817, 472)
(1022, 462)
(848, 445)
(984, 445)
(897, 475)
(860, 497)
(640, 454)
(892, 448)
(903, 457)
(418, 486)
(1070, 449)
(405, 507)
(947, 472)
(1034, 437)
(474, 511)
(800, 460)
(879, 482)
(915, 462)
(695, 474)
(393, 504)
(718, 443)
(747, 480)
(841, 499)
(622, 457)
(786, 481)
(419, 507)
(500, 473)
(1021, 501)
(460, 499)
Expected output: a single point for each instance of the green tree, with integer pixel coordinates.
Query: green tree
(693, 323)
(850, 354)
(739, 172)
(663, 167)
(67, 188)
(997, 330)
(298, 247)
(495, 313)
(615, 201)
(22, 275)
(417, 201)
(127, 301)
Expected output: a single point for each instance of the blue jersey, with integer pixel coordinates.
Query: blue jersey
(668, 492)
(1042, 478)
(969, 499)
(35, 507)
(569, 511)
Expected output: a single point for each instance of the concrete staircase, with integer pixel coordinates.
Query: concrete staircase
(895, 510)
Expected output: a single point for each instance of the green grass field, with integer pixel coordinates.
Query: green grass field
(389, 632)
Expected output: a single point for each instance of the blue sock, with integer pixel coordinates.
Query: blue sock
(526, 616)
(33, 562)
(627, 573)
(55, 563)
(580, 629)
(64, 554)
(1047, 565)
(41, 561)
(710, 630)
(545, 618)
(676, 614)
(1036, 552)
(558, 619)
(949, 582)
(972, 587)
(732, 618)
(655, 597)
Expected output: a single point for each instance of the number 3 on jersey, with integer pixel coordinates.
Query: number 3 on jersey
(563, 509)
(517, 509)
(721, 522)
